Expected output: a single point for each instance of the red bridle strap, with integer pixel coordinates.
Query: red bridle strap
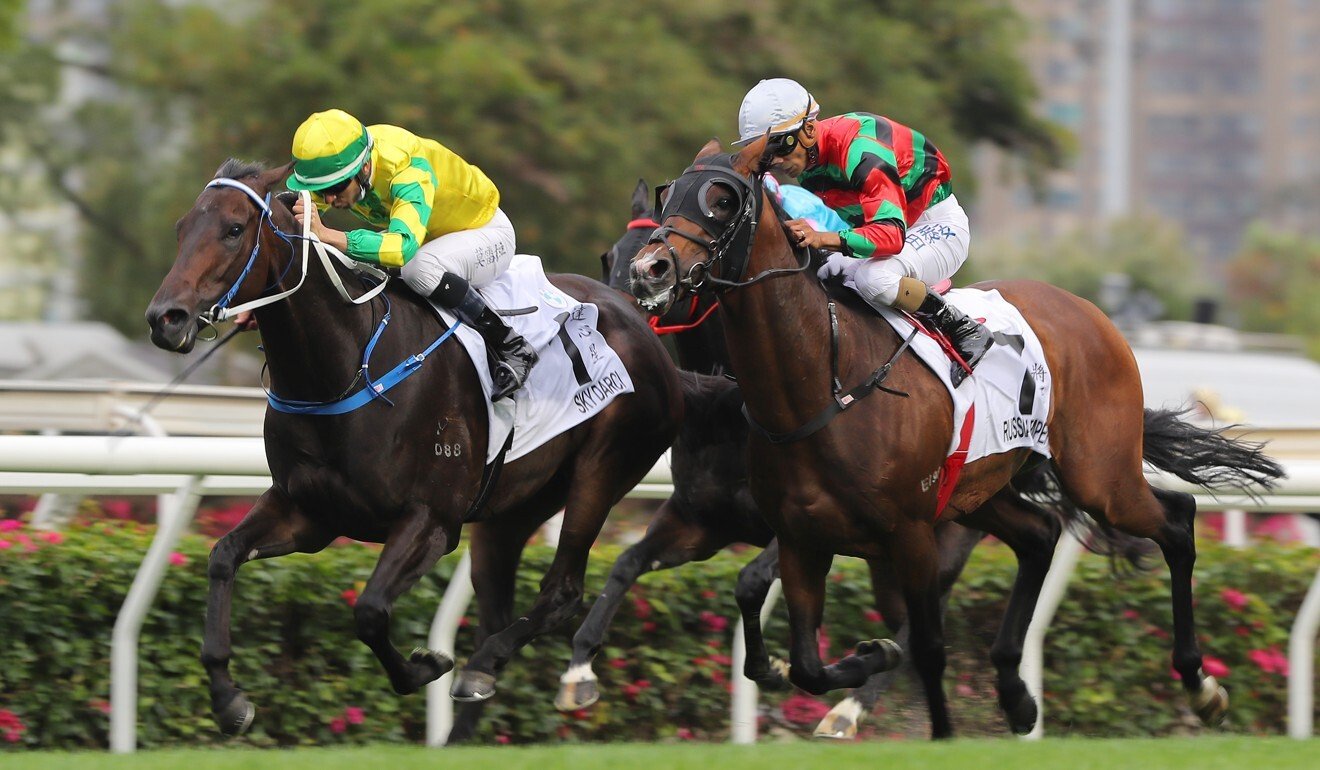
(654, 322)
(646, 222)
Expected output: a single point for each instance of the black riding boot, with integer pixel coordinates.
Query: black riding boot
(510, 356)
(970, 338)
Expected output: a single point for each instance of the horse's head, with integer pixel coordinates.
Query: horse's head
(220, 260)
(707, 227)
(617, 262)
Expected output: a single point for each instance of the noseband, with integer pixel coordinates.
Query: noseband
(728, 243)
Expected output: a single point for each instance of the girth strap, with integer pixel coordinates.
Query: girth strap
(490, 475)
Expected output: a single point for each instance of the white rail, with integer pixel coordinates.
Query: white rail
(192, 467)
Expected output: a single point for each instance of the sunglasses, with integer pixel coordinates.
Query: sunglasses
(334, 189)
(783, 146)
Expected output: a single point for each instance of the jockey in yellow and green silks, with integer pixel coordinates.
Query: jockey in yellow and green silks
(431, 214)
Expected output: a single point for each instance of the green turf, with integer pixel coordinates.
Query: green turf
(1206, 753)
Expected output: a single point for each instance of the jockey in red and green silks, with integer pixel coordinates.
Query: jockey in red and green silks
(891, 186)
(431, 213)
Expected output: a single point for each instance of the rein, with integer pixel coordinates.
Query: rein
(371, 390)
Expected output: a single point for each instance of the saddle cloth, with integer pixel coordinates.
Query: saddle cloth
(577, 376)
(1005, 404)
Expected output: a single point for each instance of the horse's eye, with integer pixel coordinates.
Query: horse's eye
(234, 231)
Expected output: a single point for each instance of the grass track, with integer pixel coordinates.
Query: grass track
(1207, 753)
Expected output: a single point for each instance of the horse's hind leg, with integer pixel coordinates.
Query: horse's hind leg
(1117, 492)
(415, 543)
(1032, 532)
(670, 541)
(803, 574)
(274, 527)
(955, 544)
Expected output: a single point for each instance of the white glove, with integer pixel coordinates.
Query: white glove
(838, 264)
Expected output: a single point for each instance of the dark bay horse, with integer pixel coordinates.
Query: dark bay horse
(712, 506)
(854, 487)
(378, 473)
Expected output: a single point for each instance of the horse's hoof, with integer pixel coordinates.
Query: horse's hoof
(1022, 714)
(1211, 702)
(472, 686)
(841, 723)
(433, 664)
(577, 688)
(236, 717)
(887, 649)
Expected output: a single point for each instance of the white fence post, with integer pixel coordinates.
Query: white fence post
(124, 646)
(742, 717)
(1301, 655)
(439, 706)
(1032, 667)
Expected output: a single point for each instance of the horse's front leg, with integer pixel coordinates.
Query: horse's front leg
(274, 527)
(803, 573)
(754, 582)
(415, 543)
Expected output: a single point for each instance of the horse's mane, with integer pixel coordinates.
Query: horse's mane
(235, 168)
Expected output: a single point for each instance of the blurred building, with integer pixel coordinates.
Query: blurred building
(1202, 112)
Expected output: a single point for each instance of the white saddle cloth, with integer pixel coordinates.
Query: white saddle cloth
(577, 375)
(1010, 387)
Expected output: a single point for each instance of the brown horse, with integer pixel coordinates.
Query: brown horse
(712, 507)
(378, 473)
(854, 486)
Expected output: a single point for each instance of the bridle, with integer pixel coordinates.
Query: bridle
(221, 309)
(729, 243)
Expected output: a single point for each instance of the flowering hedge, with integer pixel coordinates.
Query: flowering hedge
(664, 671)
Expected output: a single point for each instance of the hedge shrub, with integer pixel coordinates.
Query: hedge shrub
(664, 671)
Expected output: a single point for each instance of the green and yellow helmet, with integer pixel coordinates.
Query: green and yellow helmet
(328, 148)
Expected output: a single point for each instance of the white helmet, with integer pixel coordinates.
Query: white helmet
(777, 105)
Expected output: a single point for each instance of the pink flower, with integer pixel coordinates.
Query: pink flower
(1214, 667)
(338, 725)
(1271, 660)
(684, 734)
(54, 538)
(631, 691)
(9, 525)
(964, 690)
(1242, 631)
(178, 559)
(102, 706)
(617, 663)
(5, 545)
(712, 622)
(802, 709)
(350, 597)
(12, 736)
(641, 608)
(502, 739)
(708, 594)
(874, 616)
(354, 715)
(723, 660)
(649, 626)
(1131, 615)
(1233, 598)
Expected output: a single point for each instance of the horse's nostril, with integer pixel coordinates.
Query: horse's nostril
(174, 317)
(658, 269)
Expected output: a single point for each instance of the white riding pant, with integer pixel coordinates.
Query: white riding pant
(935, 247)
(479, 256)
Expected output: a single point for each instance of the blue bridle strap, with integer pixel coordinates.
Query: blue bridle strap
(368, 392)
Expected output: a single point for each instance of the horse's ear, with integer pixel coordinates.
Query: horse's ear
(276, 176)
(749, 159)
(641, 199)
(713, 147)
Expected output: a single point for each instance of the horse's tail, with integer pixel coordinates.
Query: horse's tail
(1196, 455)
(1206, 457)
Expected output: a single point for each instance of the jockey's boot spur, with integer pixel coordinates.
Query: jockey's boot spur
(970, 338)
(510, 356)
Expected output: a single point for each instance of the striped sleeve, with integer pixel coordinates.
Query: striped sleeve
(413, 192)
(873, 170)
